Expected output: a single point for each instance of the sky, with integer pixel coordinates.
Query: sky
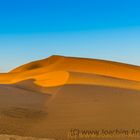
(102, 29)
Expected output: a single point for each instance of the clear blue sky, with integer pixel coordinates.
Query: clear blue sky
(35, 29)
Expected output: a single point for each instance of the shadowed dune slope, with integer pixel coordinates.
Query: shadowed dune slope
(85, 107)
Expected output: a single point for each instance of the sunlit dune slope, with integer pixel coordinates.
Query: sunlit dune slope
(60, 70)
(95, 66)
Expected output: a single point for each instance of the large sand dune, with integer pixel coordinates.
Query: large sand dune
(48, 98)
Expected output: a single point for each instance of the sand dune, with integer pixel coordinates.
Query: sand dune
(58, 70)
(48, 98)
(93, 66)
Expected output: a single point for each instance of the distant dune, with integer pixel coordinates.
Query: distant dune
(48, 98)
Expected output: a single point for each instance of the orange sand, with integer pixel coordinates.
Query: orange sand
(59, 70)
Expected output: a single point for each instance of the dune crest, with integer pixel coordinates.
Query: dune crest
(38, 64)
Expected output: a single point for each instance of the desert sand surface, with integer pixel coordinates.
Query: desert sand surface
(49, 98)
(14, 137)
